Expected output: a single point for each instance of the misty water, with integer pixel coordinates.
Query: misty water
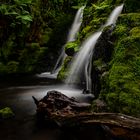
(17, 93)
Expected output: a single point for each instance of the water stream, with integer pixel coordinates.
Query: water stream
(82, 59)
(24, 126)
(72, 35)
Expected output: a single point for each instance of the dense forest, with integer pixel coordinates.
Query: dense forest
(33, 32)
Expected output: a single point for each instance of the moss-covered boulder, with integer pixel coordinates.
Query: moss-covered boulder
(6, 113)
(71, 48)
(122, 92)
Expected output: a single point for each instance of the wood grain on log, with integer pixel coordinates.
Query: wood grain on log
(69, 112)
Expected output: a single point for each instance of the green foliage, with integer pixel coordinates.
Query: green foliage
(73, 45)
(24, 22)
(17, 18)
(121, 31)
(17, 12)
(135, 31)
(12, 67)
(101, 8)
(120, 87)
(130, 19)
(27, 59)
(7, 47)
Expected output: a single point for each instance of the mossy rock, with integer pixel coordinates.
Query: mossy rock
(135, 31)
(6, 113)
(71, 48)
(63, 73)
(124, 77)
(127, 50)
(121, 31)
(130, 19)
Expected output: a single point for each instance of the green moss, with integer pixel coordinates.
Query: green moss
(45, 36)
(135, 31)
(123, 93)
(130, 19)
(86, 30)
(73, 45)
(98, 63)
(101, 8)
(121, 31)
(63, 73)
(127, 49)
(6, 113)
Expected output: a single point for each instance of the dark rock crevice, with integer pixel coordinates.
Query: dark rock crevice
(100, 60)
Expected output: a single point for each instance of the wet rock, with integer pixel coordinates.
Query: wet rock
(99, 106)
(102, 55)
(70, 51)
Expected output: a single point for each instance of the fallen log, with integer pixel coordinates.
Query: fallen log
(69, 112)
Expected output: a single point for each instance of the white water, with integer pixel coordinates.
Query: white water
(76, 25)
(114, 15)
(71, 37)
(81, 60)
(59, 61)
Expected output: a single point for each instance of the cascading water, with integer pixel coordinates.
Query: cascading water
(71, 37)
(114, 15)
(82, 59)
(76, 25)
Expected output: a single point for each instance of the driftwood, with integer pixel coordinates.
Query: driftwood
(69, 112)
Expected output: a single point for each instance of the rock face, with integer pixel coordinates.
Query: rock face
(101, 57)
(70, 51)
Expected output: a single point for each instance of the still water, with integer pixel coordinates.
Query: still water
(17, 93)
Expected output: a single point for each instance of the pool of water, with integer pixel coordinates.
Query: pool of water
(17, 94)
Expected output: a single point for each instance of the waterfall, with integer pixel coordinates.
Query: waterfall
(76, 25)
(114, 15)
(71, 37)
(81, 61)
